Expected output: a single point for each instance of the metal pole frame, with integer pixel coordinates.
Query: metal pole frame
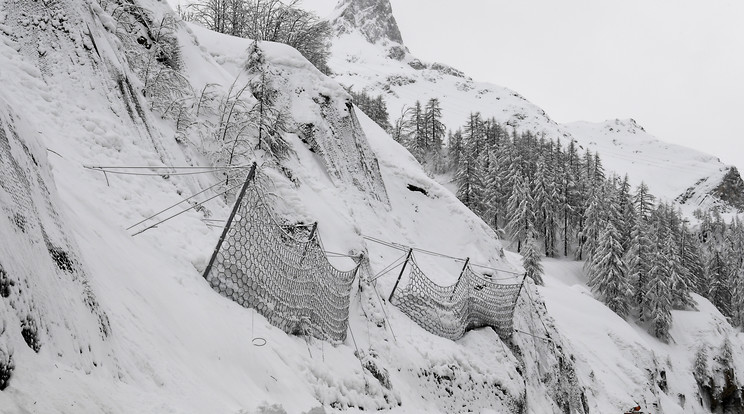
(248, 180)
(521, 285)
(462, 272)
(402, 269)
(310, 238)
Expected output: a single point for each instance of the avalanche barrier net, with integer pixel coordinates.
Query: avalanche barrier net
(474, 301)
(281, 271)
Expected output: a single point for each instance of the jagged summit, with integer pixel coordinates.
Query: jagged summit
(373, 18)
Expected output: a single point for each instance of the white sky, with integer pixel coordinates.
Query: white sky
(675, 66)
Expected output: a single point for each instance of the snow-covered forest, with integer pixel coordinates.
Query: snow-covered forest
(643, 257)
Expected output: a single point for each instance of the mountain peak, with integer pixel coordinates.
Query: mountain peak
(373, 18)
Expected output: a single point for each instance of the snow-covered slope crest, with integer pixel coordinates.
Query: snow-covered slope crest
(672, 172)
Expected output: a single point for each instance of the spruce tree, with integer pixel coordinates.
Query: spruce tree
(531, 259)
(474, 133)
(678, 278)
(543, 194)
(470, 187)
(417, 144)
(520, 211)
(692, 258)
(627, 213)
(594, 219)
(494, 191)
(639, 259)
(455, 150)
(435, 129)
(658, 299)
(719, 291)
(606, 271)
(737, 305)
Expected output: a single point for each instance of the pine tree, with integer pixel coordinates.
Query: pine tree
(494, 191)
(417, 144)
(737, 305)
(435, 129)
(678, 279)
(569, 194)
(543, 194)
(638, 260)
(627, 213)
(607, 272)
(531, 259)
(520, 211)
(599, 174)
(474, 133)
(594, 219)
(470, 187)
(658, 300)
(639, 254)
(719, 291)
(455, 150)
(692, 258)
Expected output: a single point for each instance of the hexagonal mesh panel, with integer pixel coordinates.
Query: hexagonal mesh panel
(280, 271)
(473, 302)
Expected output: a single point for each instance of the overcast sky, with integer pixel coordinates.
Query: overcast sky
(675, 66)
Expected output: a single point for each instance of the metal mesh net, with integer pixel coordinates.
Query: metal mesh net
(282, 272)
(473, 302)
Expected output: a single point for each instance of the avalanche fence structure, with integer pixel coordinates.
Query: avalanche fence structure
(281, 271)
(474, 301)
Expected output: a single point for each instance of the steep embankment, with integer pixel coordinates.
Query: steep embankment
(125, 84)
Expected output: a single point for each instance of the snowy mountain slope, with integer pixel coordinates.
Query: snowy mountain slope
(369, 55)
(621, 364)
(669, 170)
(381, 64)
(177, 346)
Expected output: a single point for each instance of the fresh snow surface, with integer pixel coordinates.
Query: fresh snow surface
(177, 346)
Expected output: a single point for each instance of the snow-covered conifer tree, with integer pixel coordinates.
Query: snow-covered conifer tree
(520, 209)
(606, 271)
(470, 186)
(658, 299)
(719, 291)
(531, 259)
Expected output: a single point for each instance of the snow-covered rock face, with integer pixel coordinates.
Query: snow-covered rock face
(373, 18)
